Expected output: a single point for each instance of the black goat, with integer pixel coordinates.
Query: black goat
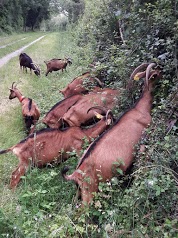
(26, 62)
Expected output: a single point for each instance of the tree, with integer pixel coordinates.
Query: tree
(72, 8)
(10, 19)
(34, 12)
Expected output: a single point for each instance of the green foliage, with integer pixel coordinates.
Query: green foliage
(26, 14)
(73, 9)
(146, 206)
(57, 23)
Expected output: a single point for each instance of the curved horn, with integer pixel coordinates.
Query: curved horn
(109, 120)
(109, 112)
(13, 85)
(144, 65)
(99, 82)
(69, 60)
(98, 107)
(148, 72)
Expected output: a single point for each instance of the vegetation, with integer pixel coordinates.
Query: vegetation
(26, 14)
(115, 36)
(39, 14)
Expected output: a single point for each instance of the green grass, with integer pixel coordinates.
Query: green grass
(41, 192)
(15, 43)
(12, 38)
(43, 204)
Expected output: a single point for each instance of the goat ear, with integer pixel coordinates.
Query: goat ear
(109, 121)
(154, 73)
(61, 91)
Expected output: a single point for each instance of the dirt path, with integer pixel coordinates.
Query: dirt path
(6, 58)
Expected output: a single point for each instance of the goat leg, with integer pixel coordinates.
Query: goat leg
(17, 173)
(87, 192)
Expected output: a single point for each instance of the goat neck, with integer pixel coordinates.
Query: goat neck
(19, 95)
(144, 104)
(100, 126)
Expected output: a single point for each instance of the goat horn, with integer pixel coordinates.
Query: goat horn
(99, 81)
(144, 65)
(13, 85)
(109, 120)
(98, 107)
(148, 72)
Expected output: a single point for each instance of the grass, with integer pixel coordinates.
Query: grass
(16, 43)
(45, 91)
(141, 204)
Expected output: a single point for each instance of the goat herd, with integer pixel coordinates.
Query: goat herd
(69, 122)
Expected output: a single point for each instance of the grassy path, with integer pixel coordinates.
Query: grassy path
(11, 43)
(17, 38)
(45, 91)
(6, 58)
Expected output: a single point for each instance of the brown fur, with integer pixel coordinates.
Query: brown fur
(77, 85)
(117, 144)
(52, 118)
(30, 110)
(77, 115)
(48, 145)
(57, 64)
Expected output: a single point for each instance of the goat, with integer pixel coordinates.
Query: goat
(57, 64)
(80, 84)
(26, 62)
(47, 145)
(52, 118)
(115, 148)
(30, 110)
(77, 114)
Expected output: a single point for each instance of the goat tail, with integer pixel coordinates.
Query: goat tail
(64, 175)
(30, 104)
(101, 84)
(29, 121)
(64, 171)
(4, 151)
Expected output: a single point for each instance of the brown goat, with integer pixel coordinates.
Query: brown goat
(52, 118)
(115, 148)
(78, 114)
(80, 83)
(48, 145)
(30, 110)
(57, 64)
